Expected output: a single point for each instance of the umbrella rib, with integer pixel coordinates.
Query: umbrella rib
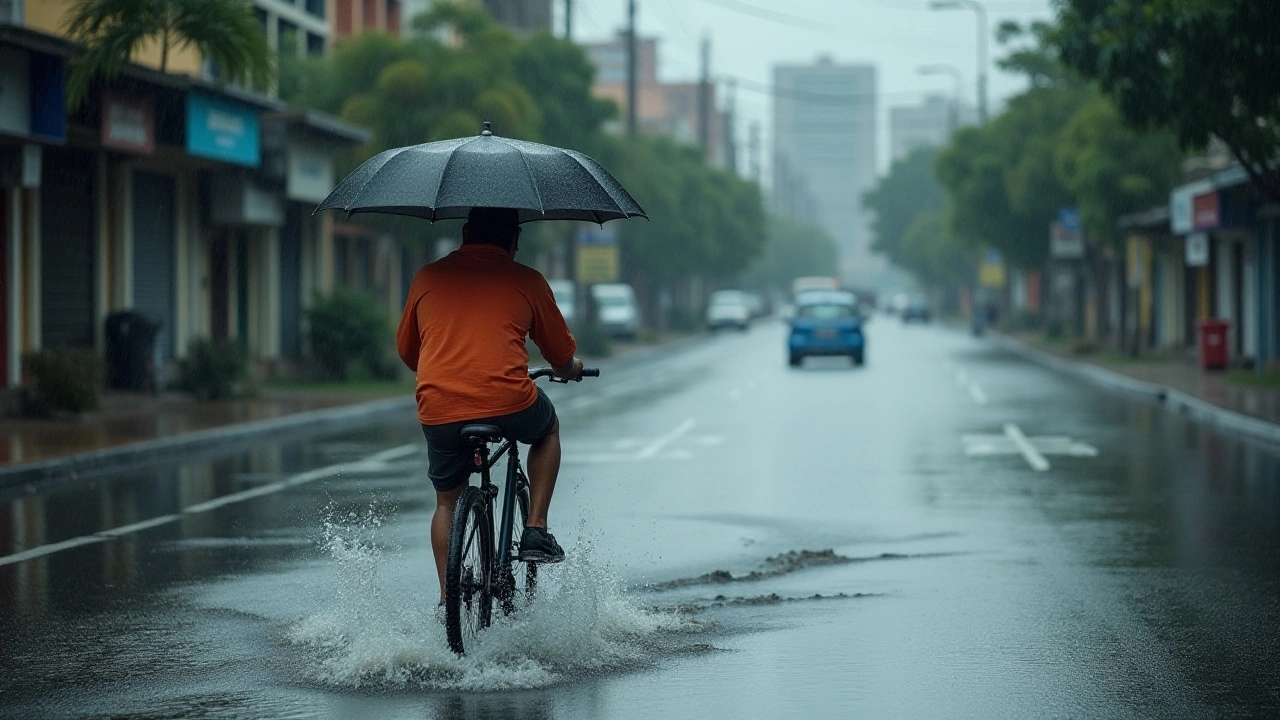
(603, 186)
(542, 206)
(391, 155)
(444, 174)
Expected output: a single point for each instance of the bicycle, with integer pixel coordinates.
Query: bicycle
(474, 579)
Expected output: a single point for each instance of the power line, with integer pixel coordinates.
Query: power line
(771, 15)
(818, 98)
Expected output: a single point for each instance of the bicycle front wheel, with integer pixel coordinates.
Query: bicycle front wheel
(468, 591)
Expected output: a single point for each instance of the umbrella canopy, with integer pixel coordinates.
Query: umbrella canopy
(444, 180)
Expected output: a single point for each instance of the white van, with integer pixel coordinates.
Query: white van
(565, 293)
(616, 309)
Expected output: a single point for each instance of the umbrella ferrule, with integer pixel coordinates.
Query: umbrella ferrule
(487, 131)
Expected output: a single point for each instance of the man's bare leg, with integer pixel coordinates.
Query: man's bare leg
(441, 524)
(544, 468)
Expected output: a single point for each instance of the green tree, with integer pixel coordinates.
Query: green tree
(907, 191)
(1201, 68)
(792, 250)
(1112, 170)
(223, 31)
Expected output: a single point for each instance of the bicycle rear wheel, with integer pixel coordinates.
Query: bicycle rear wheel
(468, 591)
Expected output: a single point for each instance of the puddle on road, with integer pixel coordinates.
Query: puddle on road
(784, 564)
(580, 623)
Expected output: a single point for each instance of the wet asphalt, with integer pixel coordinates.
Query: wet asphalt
(948, 531)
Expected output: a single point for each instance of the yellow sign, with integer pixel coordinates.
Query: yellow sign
(597, 264)
(991, 275)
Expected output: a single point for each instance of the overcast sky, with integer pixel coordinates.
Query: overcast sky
(748, 37)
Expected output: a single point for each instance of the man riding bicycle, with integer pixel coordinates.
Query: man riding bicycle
(463, 332)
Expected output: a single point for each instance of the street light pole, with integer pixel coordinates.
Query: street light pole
(955, 73)
(981, 13)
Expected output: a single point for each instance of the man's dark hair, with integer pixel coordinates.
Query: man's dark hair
(492, 226)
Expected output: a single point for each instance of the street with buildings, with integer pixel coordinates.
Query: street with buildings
(1049, 490)
(915, 537)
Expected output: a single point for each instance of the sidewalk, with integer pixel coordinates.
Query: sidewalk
(1224, 398)
(137, 427)
(134, 427)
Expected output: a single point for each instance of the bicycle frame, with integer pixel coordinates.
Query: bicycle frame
(487, 460)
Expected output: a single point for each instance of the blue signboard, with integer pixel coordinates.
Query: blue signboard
(222, 130)
(1069, 218)
(48, 88)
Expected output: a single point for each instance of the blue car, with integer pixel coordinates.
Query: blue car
(826, 323)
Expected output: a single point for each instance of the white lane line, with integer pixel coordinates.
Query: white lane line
(50, 549)
(656, 446)
(135, 527)
(1033, 456)
(293, 481)
(976, 393)
(218, 502)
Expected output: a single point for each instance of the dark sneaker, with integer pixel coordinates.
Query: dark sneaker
(539, 546)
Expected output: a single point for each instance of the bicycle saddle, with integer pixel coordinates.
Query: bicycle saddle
(480, 432)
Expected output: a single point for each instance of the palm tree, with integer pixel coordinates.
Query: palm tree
(223, 31)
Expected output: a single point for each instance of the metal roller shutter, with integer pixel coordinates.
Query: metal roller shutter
(153, 254)
(291, 283)
(67, 244)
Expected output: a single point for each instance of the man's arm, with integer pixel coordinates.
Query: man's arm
(551, 333)
(408, 336)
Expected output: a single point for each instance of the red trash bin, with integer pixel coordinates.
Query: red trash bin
(1213, 343)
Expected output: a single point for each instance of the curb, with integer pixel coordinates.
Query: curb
(149, 451)
(1171, 399)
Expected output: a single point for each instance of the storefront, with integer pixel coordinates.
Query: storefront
(303, 144)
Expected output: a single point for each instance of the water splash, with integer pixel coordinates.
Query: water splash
(373, 634)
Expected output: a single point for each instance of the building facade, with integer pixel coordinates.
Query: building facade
(824, 138)
(927, 124)
(162, 194)
(671, 109)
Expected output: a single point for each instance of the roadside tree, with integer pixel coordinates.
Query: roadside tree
(225, 32)
(1198, 68)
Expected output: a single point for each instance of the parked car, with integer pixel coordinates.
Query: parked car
(917, 308)
(729, 309)
(565, 292)
(826, 323)
(616, 309)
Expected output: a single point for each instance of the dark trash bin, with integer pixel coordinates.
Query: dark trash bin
(131, 342)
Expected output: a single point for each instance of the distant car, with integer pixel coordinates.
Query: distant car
(729, 309)
(917, 308)
(565, 293)
(616, 309)
(813, 282)
(826, 323)
(755, 302)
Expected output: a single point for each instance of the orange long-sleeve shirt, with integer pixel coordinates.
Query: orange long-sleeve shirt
(464, 328)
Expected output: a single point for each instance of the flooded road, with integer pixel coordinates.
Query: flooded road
(947, 532)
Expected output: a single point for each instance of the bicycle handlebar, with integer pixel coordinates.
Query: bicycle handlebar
(549, 373)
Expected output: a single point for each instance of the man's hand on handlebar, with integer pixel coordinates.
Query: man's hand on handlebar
(571, 371)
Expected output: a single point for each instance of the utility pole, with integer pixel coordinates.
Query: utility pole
(568, 20)
(753, 145)
(632, 68)
(731, 126)
(704, 99)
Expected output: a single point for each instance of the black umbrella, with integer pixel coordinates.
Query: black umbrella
(443, 180)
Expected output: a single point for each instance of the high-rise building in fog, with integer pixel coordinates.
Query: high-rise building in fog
(926, 124)
(929, 123)
(824, 153)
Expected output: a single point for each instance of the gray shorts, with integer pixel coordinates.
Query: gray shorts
(449, 457)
